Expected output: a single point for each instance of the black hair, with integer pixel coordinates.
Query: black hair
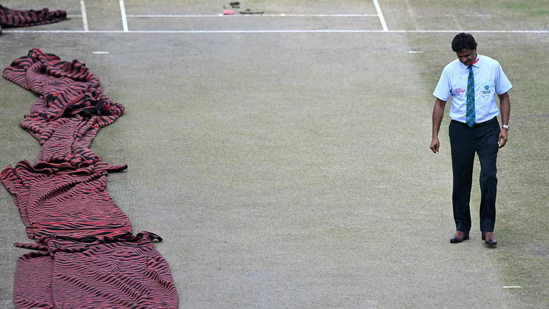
(463, 41)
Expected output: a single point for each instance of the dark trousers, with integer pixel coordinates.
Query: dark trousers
(465, 141)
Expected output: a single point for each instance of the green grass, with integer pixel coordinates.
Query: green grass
(536, 7)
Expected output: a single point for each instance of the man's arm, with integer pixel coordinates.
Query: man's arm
(505, 105)
(438, 113)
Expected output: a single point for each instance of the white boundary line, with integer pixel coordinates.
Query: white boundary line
(251, 15)
(124, 19)
(380, 14)
(84, 15)
(278, 31)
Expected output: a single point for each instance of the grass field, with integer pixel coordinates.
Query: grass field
(285, 159)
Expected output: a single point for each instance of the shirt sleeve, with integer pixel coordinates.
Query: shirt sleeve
(502, 82)
(443, 91)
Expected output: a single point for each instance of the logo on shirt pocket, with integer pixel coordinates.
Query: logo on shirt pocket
(487, 90)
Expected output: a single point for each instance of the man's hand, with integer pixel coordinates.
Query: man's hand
(435, 145)
(502, 138)
(438, 112)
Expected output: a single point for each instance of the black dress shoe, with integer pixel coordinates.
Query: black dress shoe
(457, 240)
(491, 243)
(483, 235)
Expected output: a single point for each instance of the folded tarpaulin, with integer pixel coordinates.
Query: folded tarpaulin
(26, 18)
(126, 272)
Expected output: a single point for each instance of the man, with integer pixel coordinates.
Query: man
(472, 81)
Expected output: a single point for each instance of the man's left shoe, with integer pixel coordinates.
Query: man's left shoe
(489, 239)
(491, 243)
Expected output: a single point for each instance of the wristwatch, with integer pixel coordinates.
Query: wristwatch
(505, 126)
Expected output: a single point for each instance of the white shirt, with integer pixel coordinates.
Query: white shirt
(489, 80)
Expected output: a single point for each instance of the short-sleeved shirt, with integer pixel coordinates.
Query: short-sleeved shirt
(489, 81)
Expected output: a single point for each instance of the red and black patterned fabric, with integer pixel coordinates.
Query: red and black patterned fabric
(87, 256)
(68, 203)
(126, 272)
(26, 18)
(70, 111)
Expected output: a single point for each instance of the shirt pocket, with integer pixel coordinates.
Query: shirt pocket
(487, 90)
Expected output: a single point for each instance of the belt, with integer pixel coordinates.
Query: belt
(476, 125)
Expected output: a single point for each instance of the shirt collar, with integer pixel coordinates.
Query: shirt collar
(476, 63)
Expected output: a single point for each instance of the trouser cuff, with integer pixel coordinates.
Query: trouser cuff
(487, 226)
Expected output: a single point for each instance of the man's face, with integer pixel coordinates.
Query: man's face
(467, 56)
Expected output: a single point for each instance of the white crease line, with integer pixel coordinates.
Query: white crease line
(471, 15)
(196, 31)
(512, 287)
(124, 19)
(411, 14)
(380, 14)
(456, 21)
(277, 31)
(84, 15)
(252, 15)
(272, 15)
(308, 15)
(100, 53)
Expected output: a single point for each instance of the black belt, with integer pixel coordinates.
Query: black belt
(476, 125)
